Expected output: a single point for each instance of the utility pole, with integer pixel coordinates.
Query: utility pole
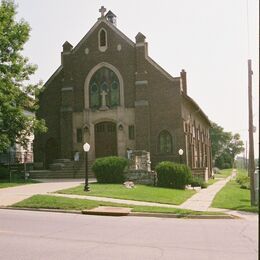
(251, 162)
(246, 159)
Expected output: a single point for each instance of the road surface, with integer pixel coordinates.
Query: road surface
(43, 235)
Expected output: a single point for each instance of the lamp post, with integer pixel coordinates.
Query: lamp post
(86, 148)
(180, 153)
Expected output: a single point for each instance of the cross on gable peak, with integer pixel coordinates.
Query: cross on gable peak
(102, 10)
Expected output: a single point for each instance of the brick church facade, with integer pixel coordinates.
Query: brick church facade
(110, 93)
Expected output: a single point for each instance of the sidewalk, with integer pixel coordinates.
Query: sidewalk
(202, 200)
(9, 196)
(121, 201)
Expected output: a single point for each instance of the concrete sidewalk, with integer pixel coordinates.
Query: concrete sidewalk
(9, 196)
(121, 201)
(202, 200)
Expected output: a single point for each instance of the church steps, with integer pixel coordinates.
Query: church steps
(68, 169)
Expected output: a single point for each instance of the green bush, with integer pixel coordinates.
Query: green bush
(198, 182)
(109, 169)
(216, 170)
(172, 175)
(243, 181)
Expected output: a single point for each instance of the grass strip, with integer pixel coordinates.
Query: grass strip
(52, 202)
(231, 196)
(138, 193)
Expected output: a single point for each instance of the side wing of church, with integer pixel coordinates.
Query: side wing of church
(110, 93)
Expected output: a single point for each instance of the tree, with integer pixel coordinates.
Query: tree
(16, 94)
(235, 147)
(225, 146)
(219, 140)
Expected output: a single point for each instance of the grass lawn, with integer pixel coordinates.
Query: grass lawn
(7, 184)
(223, 173)
(52, 202)
(231, 196)
(140, 193)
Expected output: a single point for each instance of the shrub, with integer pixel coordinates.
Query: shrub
(109, 169)
(172, 175)
(243, 181)
(198, 182)
(216, 170)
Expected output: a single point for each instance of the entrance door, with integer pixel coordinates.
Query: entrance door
(105, 139)
(51, 151)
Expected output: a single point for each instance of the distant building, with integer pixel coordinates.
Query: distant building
(17, 153)
(110, 93)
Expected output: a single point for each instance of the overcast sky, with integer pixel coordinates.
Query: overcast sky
(211, 39)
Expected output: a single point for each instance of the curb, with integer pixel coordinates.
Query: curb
(43, 210)
(132, 214)
(169, 215)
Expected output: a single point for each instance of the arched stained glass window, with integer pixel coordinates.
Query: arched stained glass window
(104, 89)
(165, 142)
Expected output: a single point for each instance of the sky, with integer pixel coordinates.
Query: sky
(211, 39)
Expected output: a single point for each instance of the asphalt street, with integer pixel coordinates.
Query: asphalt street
(44, 235)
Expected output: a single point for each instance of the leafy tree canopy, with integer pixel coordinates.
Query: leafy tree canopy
(225, 146)
(16, 94)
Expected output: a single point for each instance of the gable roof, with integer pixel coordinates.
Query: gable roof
(111, 26)
(197, 107)
(128, 40)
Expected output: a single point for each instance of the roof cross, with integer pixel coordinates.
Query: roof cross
(102, 10)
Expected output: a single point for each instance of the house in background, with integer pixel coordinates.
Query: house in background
(17, 153)
(110, 93)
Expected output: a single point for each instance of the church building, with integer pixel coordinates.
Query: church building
(110, 93)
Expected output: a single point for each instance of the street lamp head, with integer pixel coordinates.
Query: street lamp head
(180, 152)
(86, 147)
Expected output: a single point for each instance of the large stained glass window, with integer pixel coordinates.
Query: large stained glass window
(165, 142)
(104, 89)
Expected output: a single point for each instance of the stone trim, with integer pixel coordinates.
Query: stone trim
(140, 44)
(67, 89)
(141, 82)
(141, 103)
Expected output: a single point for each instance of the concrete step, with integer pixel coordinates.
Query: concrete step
(59, 174)
(64, 168)
(108, 211)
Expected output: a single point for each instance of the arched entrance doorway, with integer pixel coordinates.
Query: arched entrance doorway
(51, 151)
(105, 139)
